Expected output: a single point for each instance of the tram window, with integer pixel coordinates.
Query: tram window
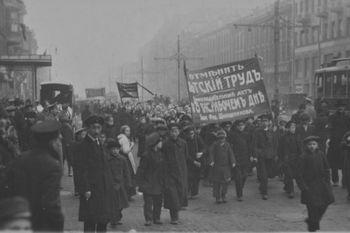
(328, 86)
(320, 85)
(339, 85)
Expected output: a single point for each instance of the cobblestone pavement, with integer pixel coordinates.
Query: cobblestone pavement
(278, 213)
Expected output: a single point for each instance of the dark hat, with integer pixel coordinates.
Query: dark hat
(188, 128)
(93, 119)
(10, 108)
(79, 131)
(265, 117)
(51, 106)
(17, 102)
(30, 114)
(221, 134)
(340, 103)
(13, 208)
(310, 139)
(237, 122)
(173, 125)
(304, 117)
(226, 123)
(111, 143)
(47, 126)
(153, 139)
(289, 123)
(186, 118)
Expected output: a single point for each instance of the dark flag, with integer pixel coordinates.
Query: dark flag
(128, 90)
(95, 92)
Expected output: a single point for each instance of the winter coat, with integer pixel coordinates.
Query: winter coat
(222, 156)
(194, 146)
(37, 177)
(121, 181)
(265, 143)
(175, 166)
(96, 177)
(313, 179)
(339, 124)
(110, 131)
(241, 147)
(150, 173)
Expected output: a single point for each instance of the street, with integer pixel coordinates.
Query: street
(278, 213)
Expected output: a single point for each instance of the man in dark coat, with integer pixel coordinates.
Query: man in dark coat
(95, 181)
(241, 146)
(288, 152)
(265, 150)
(194, 164)
(346, 168)
(305, 129)
(175, 162)
(313, 179)
(222, 160)
(85, 113)
(37, 176)
(67, 139)
(150, 180)
(339, 124)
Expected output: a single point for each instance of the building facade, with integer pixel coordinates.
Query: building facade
(15, 39)
(326, 36)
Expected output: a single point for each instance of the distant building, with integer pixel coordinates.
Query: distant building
(328, 19)
(15, 39)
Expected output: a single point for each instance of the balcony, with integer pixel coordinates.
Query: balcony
(337, 8)
(14, 38)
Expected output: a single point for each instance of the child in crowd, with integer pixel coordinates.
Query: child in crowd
(313, 179)
(121, 180)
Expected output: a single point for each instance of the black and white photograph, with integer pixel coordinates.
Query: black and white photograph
(174, 116)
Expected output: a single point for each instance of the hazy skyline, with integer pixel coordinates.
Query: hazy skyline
(88, 39)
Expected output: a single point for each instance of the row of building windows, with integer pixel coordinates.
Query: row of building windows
(329, 31)
(310, 6)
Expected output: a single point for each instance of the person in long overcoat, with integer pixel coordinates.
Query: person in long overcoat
(346, 167)
(195, 161)
(121, 180)
(67, 133)
(289, 152)
(74, 153)
(339, 124)
(150, 180)
(222, 160)
(36, 176)
(313, 179)
(240, 141)
(175, 162)
(265, 143)
(96, 183)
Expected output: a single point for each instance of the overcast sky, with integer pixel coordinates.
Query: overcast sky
(91, 36)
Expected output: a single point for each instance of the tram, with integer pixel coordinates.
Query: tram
(332, 83)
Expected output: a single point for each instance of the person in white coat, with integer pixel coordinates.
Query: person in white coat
(126, 150)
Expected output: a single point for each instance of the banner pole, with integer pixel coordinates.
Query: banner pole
(145, 88)
(195, 133)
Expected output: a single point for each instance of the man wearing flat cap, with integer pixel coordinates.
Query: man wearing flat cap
(95, 179)
(37, 177)
(313, 179)
(175, 162)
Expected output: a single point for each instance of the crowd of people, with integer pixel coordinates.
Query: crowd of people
(173, 155)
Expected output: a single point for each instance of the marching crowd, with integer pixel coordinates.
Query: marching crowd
(174, 155)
